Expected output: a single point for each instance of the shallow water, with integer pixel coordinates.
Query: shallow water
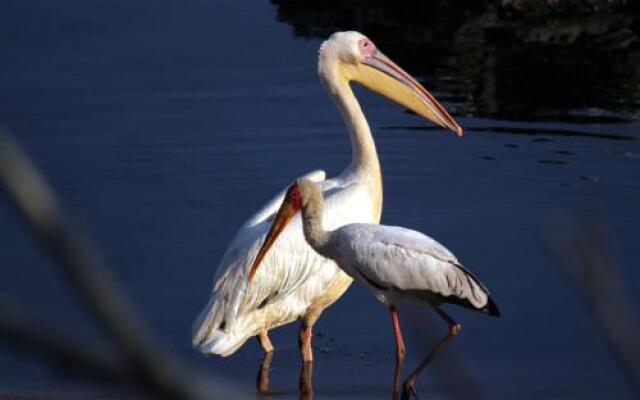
(164, 126)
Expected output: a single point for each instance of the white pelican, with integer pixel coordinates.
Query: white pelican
(397, 264)
(295, 282)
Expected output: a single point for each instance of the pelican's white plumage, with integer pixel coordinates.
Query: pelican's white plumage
(294, 281)
(283, 292)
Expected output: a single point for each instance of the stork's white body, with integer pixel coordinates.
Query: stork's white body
(402, 265)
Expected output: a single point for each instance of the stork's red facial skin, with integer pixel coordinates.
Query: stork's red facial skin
(295, 197)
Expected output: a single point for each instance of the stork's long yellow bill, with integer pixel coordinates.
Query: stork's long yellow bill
(285, 214)
(381, 75)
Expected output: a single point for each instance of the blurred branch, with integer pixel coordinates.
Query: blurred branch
(59, 348)
(585, 249)
(84, 267)
(461, 384)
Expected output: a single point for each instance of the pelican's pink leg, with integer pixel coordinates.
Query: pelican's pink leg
(304, 339)
(263, 372)
(265, 343)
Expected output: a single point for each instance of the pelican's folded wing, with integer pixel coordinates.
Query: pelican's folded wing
(230, 292)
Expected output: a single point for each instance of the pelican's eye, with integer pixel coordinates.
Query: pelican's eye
(366, 47)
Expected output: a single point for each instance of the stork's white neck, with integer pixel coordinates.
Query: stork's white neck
(364, 160)
(314, 232)
(312, 211)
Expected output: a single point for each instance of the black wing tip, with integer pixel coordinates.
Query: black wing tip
(491, 308)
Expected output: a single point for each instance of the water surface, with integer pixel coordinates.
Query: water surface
(163, 126)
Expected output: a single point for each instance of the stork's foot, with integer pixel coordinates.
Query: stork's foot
(409, 389)
(397, 376)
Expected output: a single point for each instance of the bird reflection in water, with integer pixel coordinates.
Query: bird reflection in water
(305, 382)
(262, 380)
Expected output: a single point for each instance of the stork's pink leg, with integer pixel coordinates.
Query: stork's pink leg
(409, 388)
(400, 350)
(454, 327)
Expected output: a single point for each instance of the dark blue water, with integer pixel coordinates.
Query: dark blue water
(164, 125)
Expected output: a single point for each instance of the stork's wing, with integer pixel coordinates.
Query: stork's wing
(396, 258)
